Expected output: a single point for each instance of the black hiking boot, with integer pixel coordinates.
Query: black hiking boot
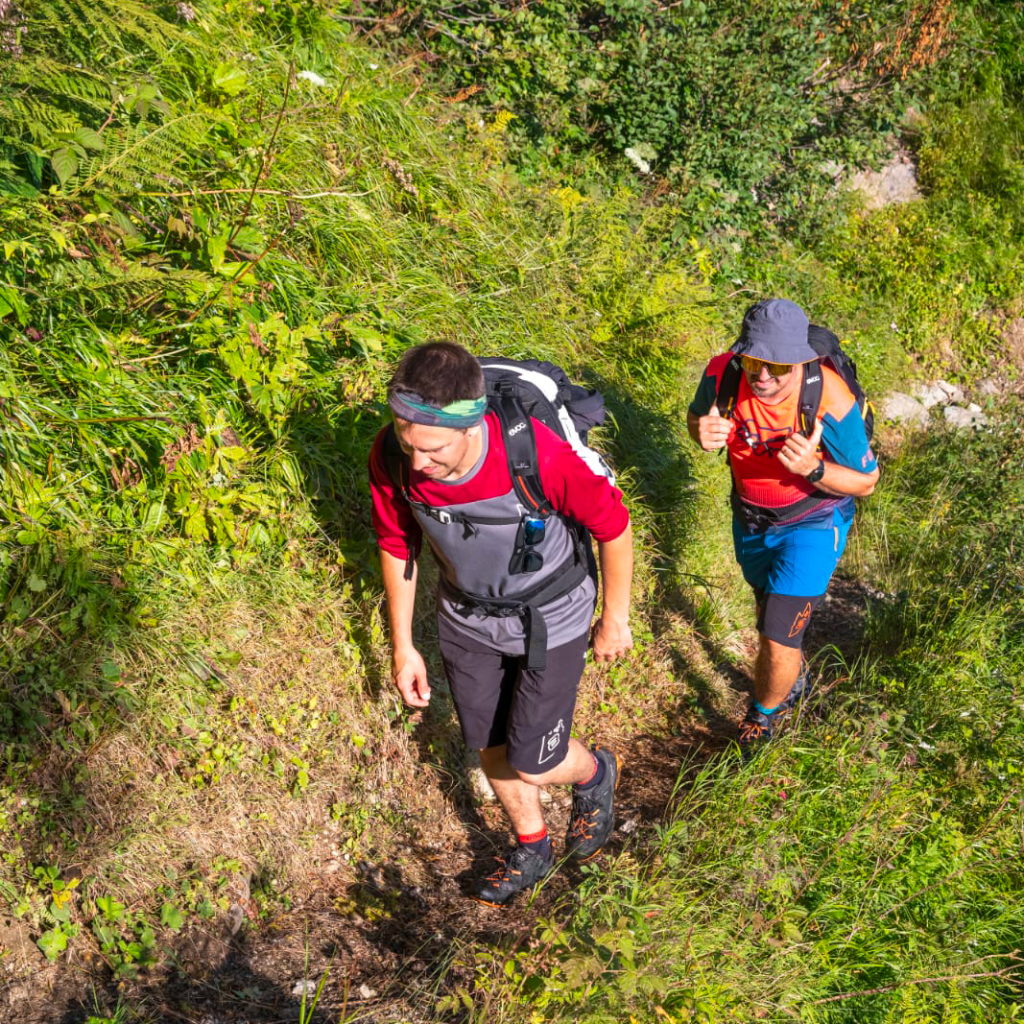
(754, 732)
(519, 869)
(801, 688)
(593, 810)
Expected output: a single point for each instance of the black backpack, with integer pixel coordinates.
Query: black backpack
(830, 354)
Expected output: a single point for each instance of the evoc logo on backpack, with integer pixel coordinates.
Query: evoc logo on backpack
(521, 425)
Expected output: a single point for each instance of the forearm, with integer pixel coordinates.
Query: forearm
(616, 560)
(401, 598)
(841, 481)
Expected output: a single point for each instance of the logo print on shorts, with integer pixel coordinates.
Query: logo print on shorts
(801, 620)
(549, 743)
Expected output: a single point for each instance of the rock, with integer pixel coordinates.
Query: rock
(959, 418)
(306, 987)
(627, 828)
(930, 395)
(482, 791)
(896, 182)
(990, 387)
(235, 917)
(954, 392)
(901, 408)
(365, 992)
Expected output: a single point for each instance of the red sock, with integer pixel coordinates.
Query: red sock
(534, 837)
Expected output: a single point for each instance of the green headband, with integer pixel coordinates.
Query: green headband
(467, 412)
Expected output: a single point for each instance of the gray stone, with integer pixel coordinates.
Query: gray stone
(960, 418)
(482, 791)
(954, 392)
(236, 915)
(896, 182)
(901, 408)
(990, 387)
(930, 395)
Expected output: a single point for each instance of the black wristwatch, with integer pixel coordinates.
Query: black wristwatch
(817, 473)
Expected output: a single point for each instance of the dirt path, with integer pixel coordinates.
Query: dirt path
(396, 933)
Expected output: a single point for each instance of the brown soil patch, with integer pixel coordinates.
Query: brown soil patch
(395, 929)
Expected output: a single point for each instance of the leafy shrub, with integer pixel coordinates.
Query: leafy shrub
(746, 109)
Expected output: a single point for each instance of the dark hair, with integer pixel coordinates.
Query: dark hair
(440, 373)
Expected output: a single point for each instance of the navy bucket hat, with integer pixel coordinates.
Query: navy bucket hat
(775, 330)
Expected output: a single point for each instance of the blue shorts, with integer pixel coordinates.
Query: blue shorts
(797, 559)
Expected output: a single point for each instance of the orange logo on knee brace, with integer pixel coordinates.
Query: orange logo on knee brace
(801, 620)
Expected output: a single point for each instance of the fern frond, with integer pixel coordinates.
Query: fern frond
(92, 286)
(140, 152)
(45, 76)
(80, 24)
(33, 119)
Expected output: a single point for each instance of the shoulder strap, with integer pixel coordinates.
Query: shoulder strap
(729, 387)
(520, 448)
(810, 397)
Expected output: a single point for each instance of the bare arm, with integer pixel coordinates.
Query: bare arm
(800, 456)
(407, 667)
(612, 635)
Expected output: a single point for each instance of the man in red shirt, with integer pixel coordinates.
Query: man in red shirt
(793, 490)
(515, 600)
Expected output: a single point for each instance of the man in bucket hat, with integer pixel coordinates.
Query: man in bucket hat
(796, 470)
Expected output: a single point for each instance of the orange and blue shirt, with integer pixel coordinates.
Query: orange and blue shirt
(762, 429)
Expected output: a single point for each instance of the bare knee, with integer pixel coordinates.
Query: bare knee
(532, 779)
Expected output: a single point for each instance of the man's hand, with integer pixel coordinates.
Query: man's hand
(799, 454)
(410, 676)
(714, 430)
(611, 638)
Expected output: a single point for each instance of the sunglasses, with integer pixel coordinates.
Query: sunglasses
(528, 559)
(753, 365)
(533, 530)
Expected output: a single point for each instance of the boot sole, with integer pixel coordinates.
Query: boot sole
(600, 849)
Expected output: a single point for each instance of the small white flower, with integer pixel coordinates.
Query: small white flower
(311, 77)
(893, 326)
(925, 746)
(373, 67)
(637, 160)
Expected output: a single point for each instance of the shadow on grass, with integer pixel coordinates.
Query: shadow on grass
(63, 695)
(661, 456)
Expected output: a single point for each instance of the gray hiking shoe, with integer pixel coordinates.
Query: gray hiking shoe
(519, 869)
(754, 732)
(593, 810)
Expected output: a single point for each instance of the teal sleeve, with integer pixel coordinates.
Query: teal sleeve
(847, 441)
(705, 396)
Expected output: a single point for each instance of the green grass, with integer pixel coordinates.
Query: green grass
(193, 668)
(864, 869)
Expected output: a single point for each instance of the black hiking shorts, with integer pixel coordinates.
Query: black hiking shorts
(499, 700)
